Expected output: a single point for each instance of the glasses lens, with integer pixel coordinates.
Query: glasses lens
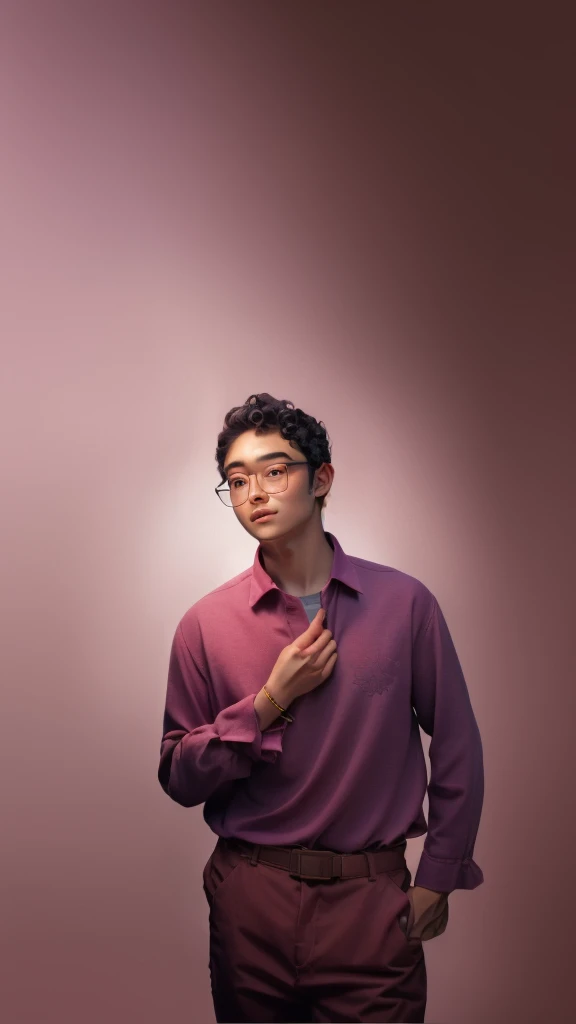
(272, 480)
(224, 495)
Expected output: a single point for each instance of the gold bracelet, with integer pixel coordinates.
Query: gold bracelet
(284, 715)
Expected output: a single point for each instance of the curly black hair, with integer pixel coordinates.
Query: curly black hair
(264, 412)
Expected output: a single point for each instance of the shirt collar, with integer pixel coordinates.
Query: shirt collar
(343, 570)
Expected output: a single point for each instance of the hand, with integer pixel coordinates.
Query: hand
(306, 663)
(428, 913)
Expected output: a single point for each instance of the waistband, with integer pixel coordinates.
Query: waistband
(323, 865)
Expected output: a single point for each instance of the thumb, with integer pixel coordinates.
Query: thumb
(313, 631)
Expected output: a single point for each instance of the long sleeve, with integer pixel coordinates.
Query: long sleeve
(200, 752)
(456, 789)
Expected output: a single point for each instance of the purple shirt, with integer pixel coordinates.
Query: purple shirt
(349, 772)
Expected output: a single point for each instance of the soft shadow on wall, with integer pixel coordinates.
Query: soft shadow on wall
(367, 209)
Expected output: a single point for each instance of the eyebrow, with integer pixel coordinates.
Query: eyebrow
(261, 458)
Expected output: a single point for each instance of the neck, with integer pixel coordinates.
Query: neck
(299, 562)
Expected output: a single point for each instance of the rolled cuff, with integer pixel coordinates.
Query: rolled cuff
(447, 875)
(239, 724)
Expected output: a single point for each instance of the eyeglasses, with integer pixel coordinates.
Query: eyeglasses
(271, 480)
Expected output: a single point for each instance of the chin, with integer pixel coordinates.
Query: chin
(254, 526)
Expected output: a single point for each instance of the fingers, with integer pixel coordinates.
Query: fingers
(318, 644)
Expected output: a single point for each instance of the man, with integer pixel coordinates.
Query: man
(294, 699)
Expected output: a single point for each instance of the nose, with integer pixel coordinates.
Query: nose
(257, 489)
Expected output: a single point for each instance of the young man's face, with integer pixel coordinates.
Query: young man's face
(290, 507)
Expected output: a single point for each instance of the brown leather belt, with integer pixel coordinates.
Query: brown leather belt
(323, 865)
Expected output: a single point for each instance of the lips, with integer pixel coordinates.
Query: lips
(260, 513)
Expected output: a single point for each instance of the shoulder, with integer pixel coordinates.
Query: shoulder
(396, 588)
(215, 603)
(396, 578)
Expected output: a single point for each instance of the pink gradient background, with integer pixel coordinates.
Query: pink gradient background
(367, 208)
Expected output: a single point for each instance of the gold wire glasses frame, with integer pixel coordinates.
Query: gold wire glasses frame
(272, 485)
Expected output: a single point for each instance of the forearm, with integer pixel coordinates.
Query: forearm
(455, 792)
(266, 711)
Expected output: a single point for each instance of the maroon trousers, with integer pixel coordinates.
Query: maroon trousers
(283, 948)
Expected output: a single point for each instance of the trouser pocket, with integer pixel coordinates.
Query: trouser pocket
(399, 880)
(219, 868)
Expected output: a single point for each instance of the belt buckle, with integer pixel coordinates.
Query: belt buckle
(296, 869)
